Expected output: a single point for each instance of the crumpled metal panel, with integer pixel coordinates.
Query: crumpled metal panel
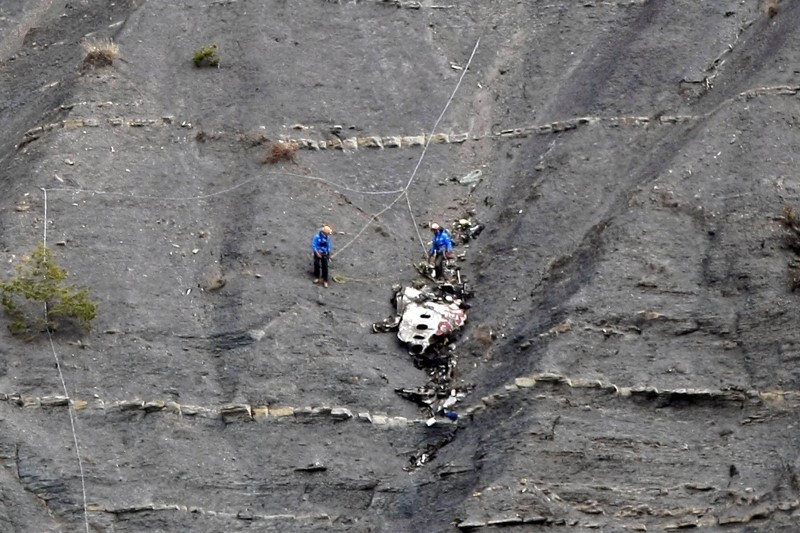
(423, 319)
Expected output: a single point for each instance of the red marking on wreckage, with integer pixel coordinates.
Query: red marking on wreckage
(454, 318)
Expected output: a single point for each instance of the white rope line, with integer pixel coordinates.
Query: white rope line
(338, 186)
(213, 194)
(70, 410)
(433, 130)
(404, 192)
(414, 223)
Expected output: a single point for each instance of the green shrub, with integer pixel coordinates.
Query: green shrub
(206, 56)
(40, 284)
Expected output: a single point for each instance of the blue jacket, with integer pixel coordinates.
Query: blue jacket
(441, 242)
(321, 243)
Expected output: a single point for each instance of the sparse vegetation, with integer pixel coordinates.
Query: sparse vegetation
(792, 224)
(206, 56)
(278, 152)
(558, 329)
(792, 240)
(204, 136)
(557, 263)
(771, 7)
(215, 281)
(39, 284)
(484, 335)
(534, 193)
(253, 138)
(99, 53)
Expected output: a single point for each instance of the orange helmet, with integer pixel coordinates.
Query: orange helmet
(327, 230)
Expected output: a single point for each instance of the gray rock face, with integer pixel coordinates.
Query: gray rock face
(632, 351)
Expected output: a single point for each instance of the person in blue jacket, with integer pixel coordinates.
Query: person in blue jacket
(441, 249)
(321, 246)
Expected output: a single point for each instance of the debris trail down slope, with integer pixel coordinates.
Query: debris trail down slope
(634, 167)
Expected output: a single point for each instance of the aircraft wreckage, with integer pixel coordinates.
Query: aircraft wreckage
(427, 319)
(428, 315)
(425, 316)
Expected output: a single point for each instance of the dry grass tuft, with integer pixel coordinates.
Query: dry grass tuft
(253, 138)
(790, 217)
(214, 281)
(770, 7)
(484, 335)
(99, 53)
(792, 224)
(205, 136)
(557, 263)
(278, 152)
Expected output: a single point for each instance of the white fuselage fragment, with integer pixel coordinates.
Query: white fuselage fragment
(423, 318)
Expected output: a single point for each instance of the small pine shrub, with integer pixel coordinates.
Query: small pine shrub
(278, 152)
(206, 56)
(99, 53)
(40, 284)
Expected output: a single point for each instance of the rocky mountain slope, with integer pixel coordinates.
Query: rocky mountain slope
(629, 356)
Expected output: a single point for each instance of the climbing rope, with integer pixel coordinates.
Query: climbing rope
(404, 192)
(64, 386)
